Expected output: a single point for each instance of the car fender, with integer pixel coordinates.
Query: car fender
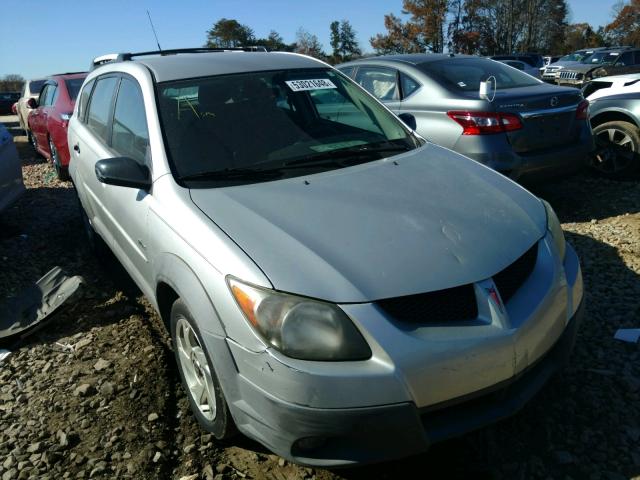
(595, 115)
(174, 272)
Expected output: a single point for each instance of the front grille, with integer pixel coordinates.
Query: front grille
(568, 75)
(442, 306)
(511, 278)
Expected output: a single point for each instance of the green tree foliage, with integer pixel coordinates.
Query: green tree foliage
(401, 37)
(275, 42)
(228, 33)
(343, 42)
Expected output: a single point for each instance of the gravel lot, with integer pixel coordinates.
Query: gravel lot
(95, 393)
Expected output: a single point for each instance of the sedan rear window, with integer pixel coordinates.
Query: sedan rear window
(465, 74)
(73, 87)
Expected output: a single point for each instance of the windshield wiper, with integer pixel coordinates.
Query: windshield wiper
(335, 156)
(234, 174)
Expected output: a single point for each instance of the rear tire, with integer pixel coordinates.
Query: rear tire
(617, 149)
(61, 172)
(198, 376)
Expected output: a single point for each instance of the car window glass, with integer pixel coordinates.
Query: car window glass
(625, 59)
(73, 87)
(348, 71)
(380, 82)
(35, 86)
(42, 97)
(465, 74)
(100, 106)
(409, 85)
(266, 119)
(130, 137)
(52, 95)
(84, 99)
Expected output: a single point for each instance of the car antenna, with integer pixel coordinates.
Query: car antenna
(154, 31)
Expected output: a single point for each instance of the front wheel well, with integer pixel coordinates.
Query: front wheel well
(605, 117)
(166, 297)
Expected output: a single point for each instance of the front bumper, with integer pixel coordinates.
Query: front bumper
(421, 386)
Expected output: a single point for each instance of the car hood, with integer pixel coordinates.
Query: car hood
(425, 220)
(565, 64)
(585, 67)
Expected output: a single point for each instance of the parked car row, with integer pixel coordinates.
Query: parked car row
(326, 274)
(327, 268)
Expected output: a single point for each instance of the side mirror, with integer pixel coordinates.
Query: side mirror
(408, 119)
(31, 103)
(123, 172)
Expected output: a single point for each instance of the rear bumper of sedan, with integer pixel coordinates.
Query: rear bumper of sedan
(495, 152)
(422, 385)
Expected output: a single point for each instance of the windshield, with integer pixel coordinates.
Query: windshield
(73, 86)
(466, 74)
(601, 57)
(575, 57)
(287, 121)
(35, 86)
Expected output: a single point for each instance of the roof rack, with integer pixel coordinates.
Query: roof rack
(123, 57)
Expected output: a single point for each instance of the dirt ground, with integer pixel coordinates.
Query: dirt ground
(95, 392)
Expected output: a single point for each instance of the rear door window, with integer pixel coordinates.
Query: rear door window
(100, 107)
(408, 84)
(130, 137)
(84, 100)
(379, 81)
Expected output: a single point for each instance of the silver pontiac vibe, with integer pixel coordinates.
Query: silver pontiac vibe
(337, 288)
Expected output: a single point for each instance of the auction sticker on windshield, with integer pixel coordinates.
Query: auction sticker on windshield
(311, 84)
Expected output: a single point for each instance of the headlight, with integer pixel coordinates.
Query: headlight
(300, 327)
(580, 76)
(553, 225)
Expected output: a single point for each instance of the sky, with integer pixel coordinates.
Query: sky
(55, 37)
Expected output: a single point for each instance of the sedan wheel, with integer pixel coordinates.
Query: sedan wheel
(198, 376)
(617, 147)
(61, 172)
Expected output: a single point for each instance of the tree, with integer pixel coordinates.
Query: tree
(625, 28)
(274, 42)
(308, 44)
(429, 17)
(400, 37)
(343, 42)
(228, 33)
(12, 83)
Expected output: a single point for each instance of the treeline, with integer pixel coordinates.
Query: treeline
(11, 83)
(484, 27)
(489, 27)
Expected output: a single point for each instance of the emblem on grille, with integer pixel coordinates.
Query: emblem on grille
(554, 101)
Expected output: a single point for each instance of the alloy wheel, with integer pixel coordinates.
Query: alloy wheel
(195, 369)
(615, 150)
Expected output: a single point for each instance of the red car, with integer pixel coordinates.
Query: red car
(49, 118)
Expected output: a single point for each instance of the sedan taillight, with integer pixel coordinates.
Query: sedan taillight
(582, 112)
(483, 123)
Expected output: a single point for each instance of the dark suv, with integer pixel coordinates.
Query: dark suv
(613, 61)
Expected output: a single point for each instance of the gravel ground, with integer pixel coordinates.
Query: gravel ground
(95, 393)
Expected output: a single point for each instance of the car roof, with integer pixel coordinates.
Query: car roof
(203, 64)
(67, 76)
(410, 58)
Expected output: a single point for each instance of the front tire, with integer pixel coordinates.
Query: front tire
(617, 149)
(198, 375)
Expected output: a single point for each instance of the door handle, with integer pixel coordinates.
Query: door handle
(76, 147)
